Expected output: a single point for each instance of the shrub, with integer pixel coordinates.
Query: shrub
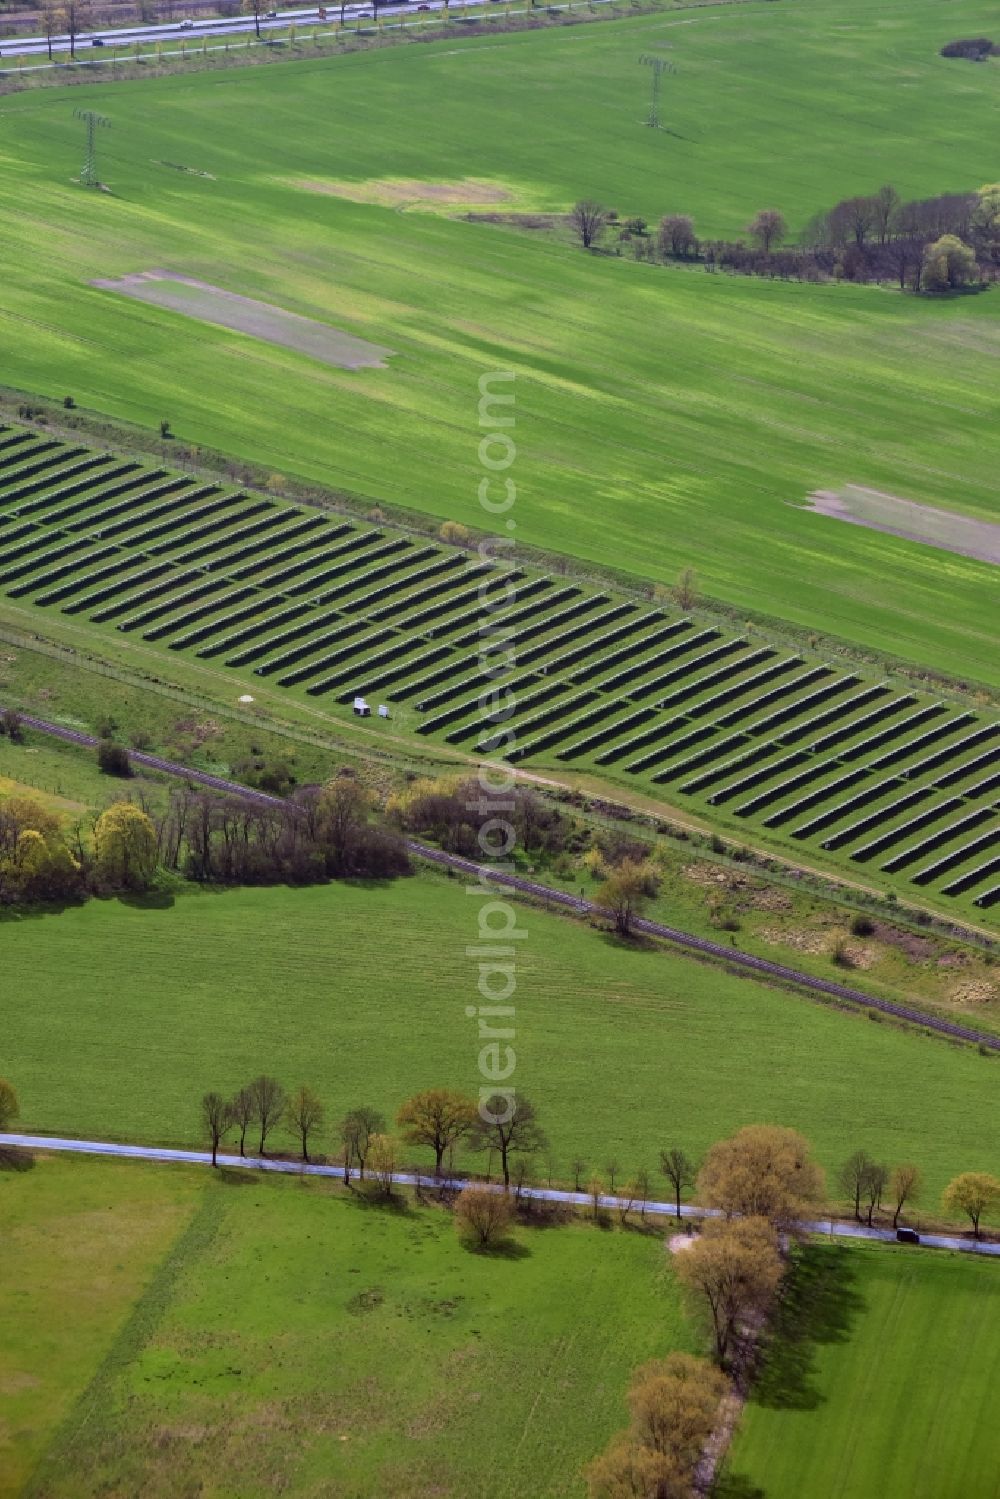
(113, 759)
(454, 533)
(975, 48)
(949, 263)
(10, 724)
(165, 429)
(862, 926)
(483, 1215)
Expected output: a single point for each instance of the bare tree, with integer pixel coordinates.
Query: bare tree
(677, 236)
(876, 1181)
(612, 1167)
(905, 1184)
(243, 1110)
(509, 1124)
(686, 590)
(852, 1178)
(358, 1129)
(885, 206)
(579, 1167)
(767, 229)
(305, 1116)
(216, 1120)
(588, 219)
(268, 1105)
(680, 1171)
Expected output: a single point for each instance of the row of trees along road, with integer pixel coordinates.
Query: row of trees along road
(765, 1169)
(437, 1119)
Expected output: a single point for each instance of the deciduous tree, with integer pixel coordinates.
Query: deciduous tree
(948, 265)
(437, 1118)
(680, 1171)
(733, 1271)
(383, 1155)
(243, 1110)
(905, 1184)
(268, 1105)
(625, 892)
(762, 1171)
(852, 1177)
(357, 1130)
(483, 1214)
(973, 1193)
(588, 219)
(767, 229)
(216, 1120)
(125, 844)
(305, 1114)
(508, 1123)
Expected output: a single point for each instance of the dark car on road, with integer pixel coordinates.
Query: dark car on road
(907, 1236)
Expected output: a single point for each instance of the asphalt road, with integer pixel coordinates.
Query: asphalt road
(236, 25)
(740, 961)
(828, 1227)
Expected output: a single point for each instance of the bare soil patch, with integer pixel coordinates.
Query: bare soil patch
(398, 192)
(227, 309)
(897, 517)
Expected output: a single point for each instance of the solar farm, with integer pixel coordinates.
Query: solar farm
(769, 742)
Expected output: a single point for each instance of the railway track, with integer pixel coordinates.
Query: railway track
(687, 941)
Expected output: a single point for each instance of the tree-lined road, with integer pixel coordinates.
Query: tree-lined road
(762, 968)
(163, 1154)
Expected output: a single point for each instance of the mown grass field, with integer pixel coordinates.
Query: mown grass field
(881, 1380)
(663, 418)
(135, 1011)
(81, 1245)
(288, 1338)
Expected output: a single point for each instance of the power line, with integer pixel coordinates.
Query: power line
(88, 176)
(659, 65)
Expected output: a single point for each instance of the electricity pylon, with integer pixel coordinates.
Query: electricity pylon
(659, 65)
(92, 120)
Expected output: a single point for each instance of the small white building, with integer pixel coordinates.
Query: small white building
(361, 708)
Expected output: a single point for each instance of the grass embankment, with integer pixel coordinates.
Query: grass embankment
(881, 1380)
(663, 418)
(128, 1013)
(293, 1337)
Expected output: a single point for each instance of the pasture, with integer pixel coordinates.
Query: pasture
(881, 1379)
(290, 1337)
(664, 418)
(765, 740)
(362, 992)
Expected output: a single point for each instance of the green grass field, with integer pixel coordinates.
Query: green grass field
(663, 418)
(362, 992)
(81, 1244)
(881, 1381)
(289, 1338)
